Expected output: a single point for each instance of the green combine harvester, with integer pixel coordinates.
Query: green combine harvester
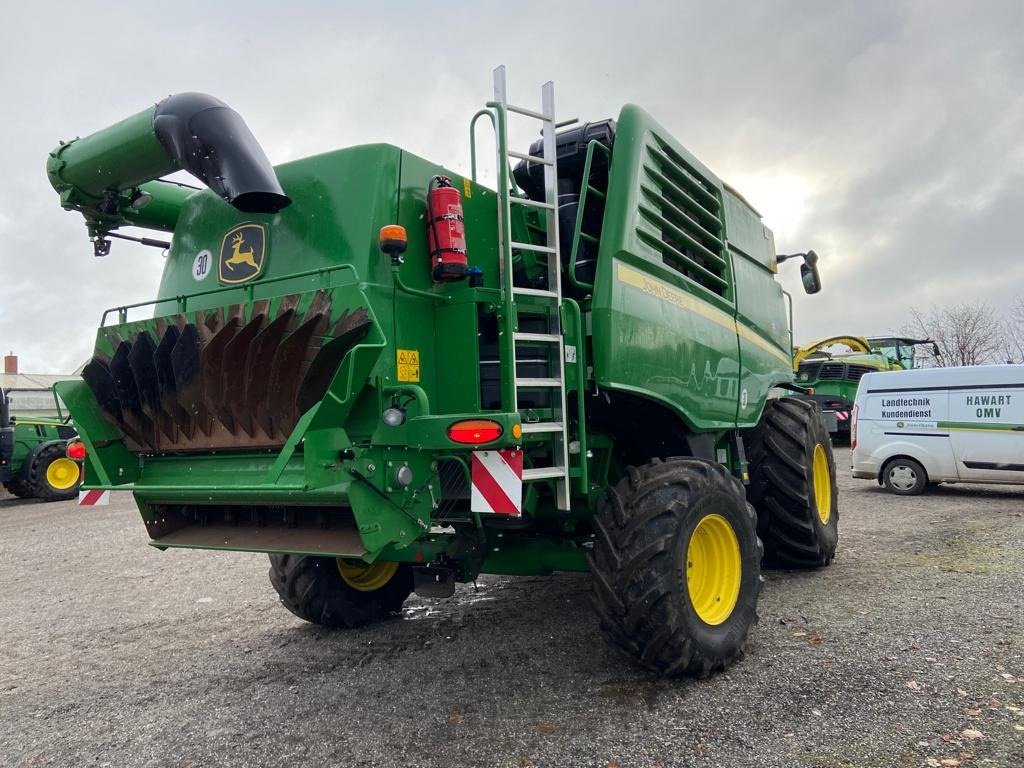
(390, 377)
(33, 460)
(833, 376)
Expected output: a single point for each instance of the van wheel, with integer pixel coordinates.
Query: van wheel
(904, 477)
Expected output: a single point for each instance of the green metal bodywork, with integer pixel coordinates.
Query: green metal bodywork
(711, 357)
(703, 345)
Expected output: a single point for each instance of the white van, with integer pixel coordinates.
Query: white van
(939, 425)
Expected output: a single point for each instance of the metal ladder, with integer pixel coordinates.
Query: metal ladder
(557, 427)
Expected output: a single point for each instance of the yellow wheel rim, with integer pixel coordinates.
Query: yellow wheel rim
(713, 569)
(366, 578)
(62, 474)
(822, 484)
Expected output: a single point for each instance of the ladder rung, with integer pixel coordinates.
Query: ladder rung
(592, 190)
(538, 383)
(534, 427)
(534, 292)
(528, 113)
(589, 238)
(531, 203)
(542, 473)
(530, 158)
(532, 247)
(546, 338)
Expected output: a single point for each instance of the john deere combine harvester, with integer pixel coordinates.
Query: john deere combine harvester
(390, 377)
(833, 377)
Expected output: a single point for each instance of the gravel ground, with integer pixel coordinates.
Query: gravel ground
(907, 651)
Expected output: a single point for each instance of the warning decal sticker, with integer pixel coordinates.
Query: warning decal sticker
(497, 482)
(408, 365)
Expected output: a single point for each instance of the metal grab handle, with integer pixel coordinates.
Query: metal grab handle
(472, 138)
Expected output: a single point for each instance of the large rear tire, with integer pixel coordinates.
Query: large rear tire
(793, 484)
(19, 487)
(676, 566)
(338, 593)
(53, 476)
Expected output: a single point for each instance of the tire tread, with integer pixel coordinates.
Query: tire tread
(634, 575)
(781, 487)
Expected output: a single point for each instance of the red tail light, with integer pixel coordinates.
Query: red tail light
(76, 450)
(474, 431)
(853, 428)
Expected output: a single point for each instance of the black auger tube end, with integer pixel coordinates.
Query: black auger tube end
(211, 141)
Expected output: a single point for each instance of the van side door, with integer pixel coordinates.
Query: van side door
(907, 422)
(986, 425)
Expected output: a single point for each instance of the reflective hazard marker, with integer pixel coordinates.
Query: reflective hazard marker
(497, 479)
(93, 498)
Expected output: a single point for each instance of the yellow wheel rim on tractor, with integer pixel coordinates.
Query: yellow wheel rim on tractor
(714, 569)
(822, 484)
(62, 474)
(366, 578)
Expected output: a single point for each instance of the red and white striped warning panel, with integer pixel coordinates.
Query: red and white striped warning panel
(843, 415)
(497, 479)
(93, 498)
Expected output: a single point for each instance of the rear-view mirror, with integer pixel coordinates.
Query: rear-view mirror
(809, 273)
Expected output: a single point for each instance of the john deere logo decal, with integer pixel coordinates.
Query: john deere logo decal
(242, 253)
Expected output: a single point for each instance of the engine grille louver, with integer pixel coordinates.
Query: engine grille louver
(230, 378)
(680, 218)
(838, 371)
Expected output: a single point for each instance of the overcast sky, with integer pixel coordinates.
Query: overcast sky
(887, 136)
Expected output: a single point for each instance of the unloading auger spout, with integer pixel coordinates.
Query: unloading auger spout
(110, 175)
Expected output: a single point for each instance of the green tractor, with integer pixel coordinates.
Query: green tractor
(33, 460)
(833, 376)
(390, 377)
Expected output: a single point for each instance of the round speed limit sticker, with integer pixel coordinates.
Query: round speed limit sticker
(201, 266)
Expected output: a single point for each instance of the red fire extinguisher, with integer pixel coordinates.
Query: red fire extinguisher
(446, 231)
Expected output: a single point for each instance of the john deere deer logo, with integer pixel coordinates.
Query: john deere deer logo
(242, 253)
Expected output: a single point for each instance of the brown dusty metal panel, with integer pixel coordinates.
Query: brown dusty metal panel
(344, 541)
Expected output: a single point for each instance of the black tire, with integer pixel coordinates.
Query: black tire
(644, 530)
(39, 480)
(904, 477)
(19, 487)
(312, 588)
(797, 529)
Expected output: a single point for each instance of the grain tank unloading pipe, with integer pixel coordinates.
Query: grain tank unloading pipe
(105, 175)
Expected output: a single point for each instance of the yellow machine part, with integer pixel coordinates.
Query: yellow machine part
(856, 343)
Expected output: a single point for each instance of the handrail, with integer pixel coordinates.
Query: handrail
(182, 300)
(501, 111)
(472, 138)
(508, 319)
(584, 187)
(416, 291)
(572, 309)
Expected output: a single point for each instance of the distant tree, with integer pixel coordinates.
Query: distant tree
(966, 334)
(1013, 333)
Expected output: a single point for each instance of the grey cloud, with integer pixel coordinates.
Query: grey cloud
(903, 122)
